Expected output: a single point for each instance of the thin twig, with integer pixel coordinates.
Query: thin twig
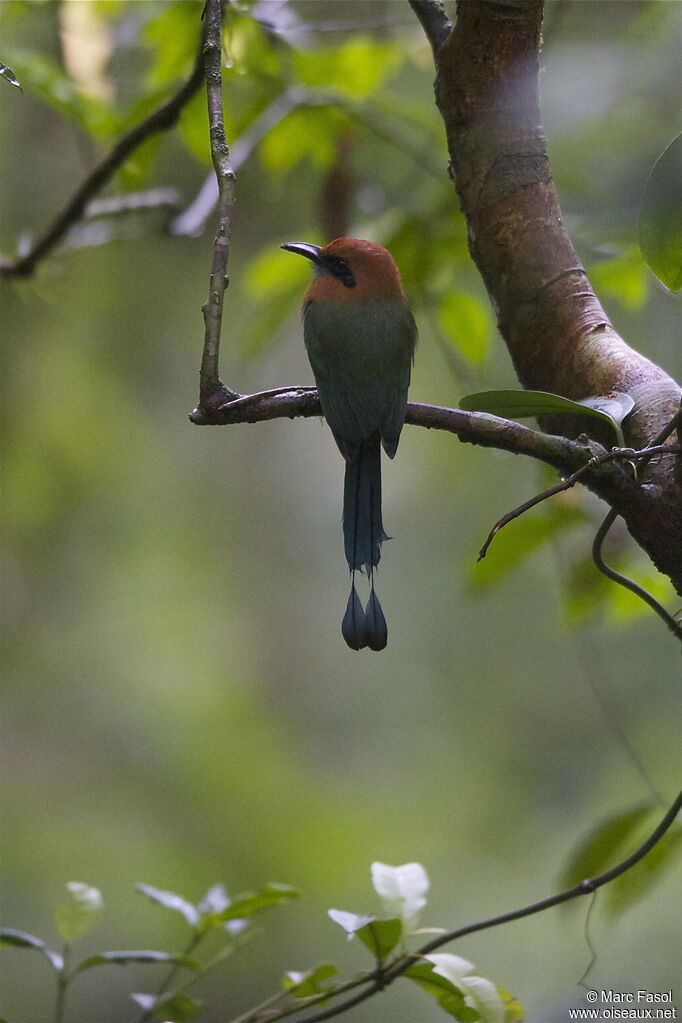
(657, 447)
(623, 580)
(586, 887)
(210, 386)
(629, 454)
(161, 119)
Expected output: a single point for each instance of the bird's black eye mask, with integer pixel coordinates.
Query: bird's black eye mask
(338, 267)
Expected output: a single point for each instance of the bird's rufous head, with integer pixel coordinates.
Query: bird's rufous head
(349, 268)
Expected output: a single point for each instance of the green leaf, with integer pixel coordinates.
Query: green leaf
(381, 936)
(356, 68)
(137, 956)
(178, 1009)
(310, 982)
(514, 1012)
(612, 841)
(249, 903)
(75, 918)
(518, 404)
(636, 883)
(351, 922)
(43, 76)
(603, 845)
(479, 994)
(402, 891)
(588, 592)
(467, 322)
(9, 76)
(20, 939)
(305, 132)
(659, 226)
(447, 994)
(519, 540)
(169, 900)
(274, 273)
(624, 278)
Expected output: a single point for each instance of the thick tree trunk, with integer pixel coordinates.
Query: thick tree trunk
(558, 335)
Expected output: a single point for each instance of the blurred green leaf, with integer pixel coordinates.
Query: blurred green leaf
(263, 326)
(603, 845)
(173, 37)
(43, 76)
(637, 883)
(514, 1012)
(660, 217)
(75, 918)
(624, 278)
(381, 936)
(587, 592)
(169, 900)
(306, 132)
(356, 68)
(467, 323)
(9, 76)
(273, 273)
(178, 1009)
(310, 982)
(20, 939)
(611, 842)
(479, 993)
(402, 890)
(520, 539)
(136, 956)
(249, 903)
(447, 994)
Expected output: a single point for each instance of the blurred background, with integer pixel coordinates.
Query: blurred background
(179, 706)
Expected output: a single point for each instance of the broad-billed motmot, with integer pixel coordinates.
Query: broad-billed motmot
(360, 337)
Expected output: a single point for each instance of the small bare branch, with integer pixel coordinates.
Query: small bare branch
(161, 119)
(627, 454)
(434, 21)
(211, 390)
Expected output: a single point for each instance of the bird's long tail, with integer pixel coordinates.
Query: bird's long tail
(363, 535)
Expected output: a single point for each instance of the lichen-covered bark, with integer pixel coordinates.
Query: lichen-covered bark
(558, 335)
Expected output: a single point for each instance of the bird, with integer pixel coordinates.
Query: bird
(360, 336)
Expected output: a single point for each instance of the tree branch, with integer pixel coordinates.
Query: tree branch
(605, 478)
(211, 390)
(559, 337)
(434, 21)
(161, 119)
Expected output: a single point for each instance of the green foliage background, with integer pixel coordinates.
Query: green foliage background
(179, 707)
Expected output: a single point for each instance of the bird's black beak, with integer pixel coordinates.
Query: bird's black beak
(306, 249)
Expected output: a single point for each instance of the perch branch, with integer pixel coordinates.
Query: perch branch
(161, 119)
(606, 478)
(211, 390)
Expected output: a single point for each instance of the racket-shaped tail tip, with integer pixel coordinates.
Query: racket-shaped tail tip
(353, 626)
(376, 630)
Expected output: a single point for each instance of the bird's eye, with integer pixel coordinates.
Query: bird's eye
(341, 269)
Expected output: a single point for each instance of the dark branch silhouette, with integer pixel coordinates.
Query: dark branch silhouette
(161, 119)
